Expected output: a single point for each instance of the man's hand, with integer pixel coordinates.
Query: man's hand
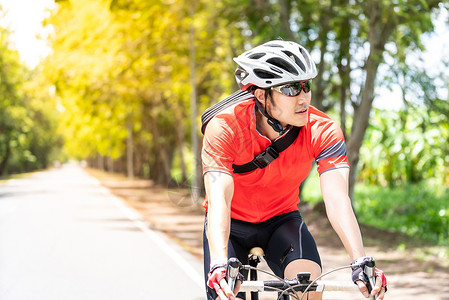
(217, 281)
(361, 279)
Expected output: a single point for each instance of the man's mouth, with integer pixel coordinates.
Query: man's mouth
(302, 111)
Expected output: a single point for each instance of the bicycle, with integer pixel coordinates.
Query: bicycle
(284, 287)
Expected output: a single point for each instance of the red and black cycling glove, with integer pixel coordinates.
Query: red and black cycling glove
(216, 274)
(358, 273)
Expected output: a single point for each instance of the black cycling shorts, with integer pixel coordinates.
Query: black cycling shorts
(283, 238)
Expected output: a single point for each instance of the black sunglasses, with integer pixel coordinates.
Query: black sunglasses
(293, 89)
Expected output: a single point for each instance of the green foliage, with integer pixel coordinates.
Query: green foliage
(405, 147)
(404, 174)
(124, 62)
(404, 168)
(27, 125)
(121, 62)
(311, 192)
(80, 69)
(419, 210)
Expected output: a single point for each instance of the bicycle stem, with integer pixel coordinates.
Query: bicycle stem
(369, 271)
(232, 271)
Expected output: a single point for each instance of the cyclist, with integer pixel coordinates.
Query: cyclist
(259, 208)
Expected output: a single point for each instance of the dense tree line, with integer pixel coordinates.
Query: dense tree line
(121, 74)
(28, 127)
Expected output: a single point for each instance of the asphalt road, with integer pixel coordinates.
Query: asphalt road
(64, 236)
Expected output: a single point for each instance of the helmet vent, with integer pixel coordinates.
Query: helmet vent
(296, 59)
(265, 75)
(256, 55)
(306, 56)
(274, 45)
(276, 69)
(282, 64)
(240, 73)
(274, 63)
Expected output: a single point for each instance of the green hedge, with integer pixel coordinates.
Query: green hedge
(419, 210)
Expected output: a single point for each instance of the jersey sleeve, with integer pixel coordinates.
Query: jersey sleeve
(329, 147)
(218, 152)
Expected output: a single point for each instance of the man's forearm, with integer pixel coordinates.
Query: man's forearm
(220, 189)
(345, 224)
(218, 228)
(334, 187)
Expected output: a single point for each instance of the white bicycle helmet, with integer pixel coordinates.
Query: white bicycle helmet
(274, 63)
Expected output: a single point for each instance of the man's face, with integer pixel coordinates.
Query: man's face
(290, 110)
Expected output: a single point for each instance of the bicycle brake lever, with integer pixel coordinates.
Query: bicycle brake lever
(232, 271)
(370, 272)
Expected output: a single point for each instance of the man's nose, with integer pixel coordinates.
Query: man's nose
(302, 98)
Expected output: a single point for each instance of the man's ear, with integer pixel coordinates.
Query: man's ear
(260, 95)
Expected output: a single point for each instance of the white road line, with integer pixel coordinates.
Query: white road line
(137, 219)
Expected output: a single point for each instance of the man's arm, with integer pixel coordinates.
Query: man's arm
(334, 188)
(220, 189)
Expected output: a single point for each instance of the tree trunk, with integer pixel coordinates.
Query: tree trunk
(284, 10)
(377, 36)
(100, 165)
(196, 180)
(344, 65)
(319, 89)
(161, 156)
(361, 120)
(130, 152)
(110, 164)
(5, 158)
(138, 170)
(180, 139)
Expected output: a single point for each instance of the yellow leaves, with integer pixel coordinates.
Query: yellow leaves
(84, 39)
(130, 60)
(84, 61)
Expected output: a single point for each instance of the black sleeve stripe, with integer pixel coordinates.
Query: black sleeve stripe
(334, 150)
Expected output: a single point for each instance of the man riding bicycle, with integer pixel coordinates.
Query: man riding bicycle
(259, 207)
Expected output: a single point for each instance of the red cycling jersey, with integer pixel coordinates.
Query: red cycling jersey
(231, 138)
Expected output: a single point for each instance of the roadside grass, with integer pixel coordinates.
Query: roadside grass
(421, 211)
(5, 178)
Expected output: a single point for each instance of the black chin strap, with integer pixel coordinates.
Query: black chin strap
(275, 124)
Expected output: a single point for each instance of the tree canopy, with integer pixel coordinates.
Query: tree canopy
(27, 124)
(119, 78)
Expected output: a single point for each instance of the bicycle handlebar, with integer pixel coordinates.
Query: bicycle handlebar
(276, 285)
(299, 284)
